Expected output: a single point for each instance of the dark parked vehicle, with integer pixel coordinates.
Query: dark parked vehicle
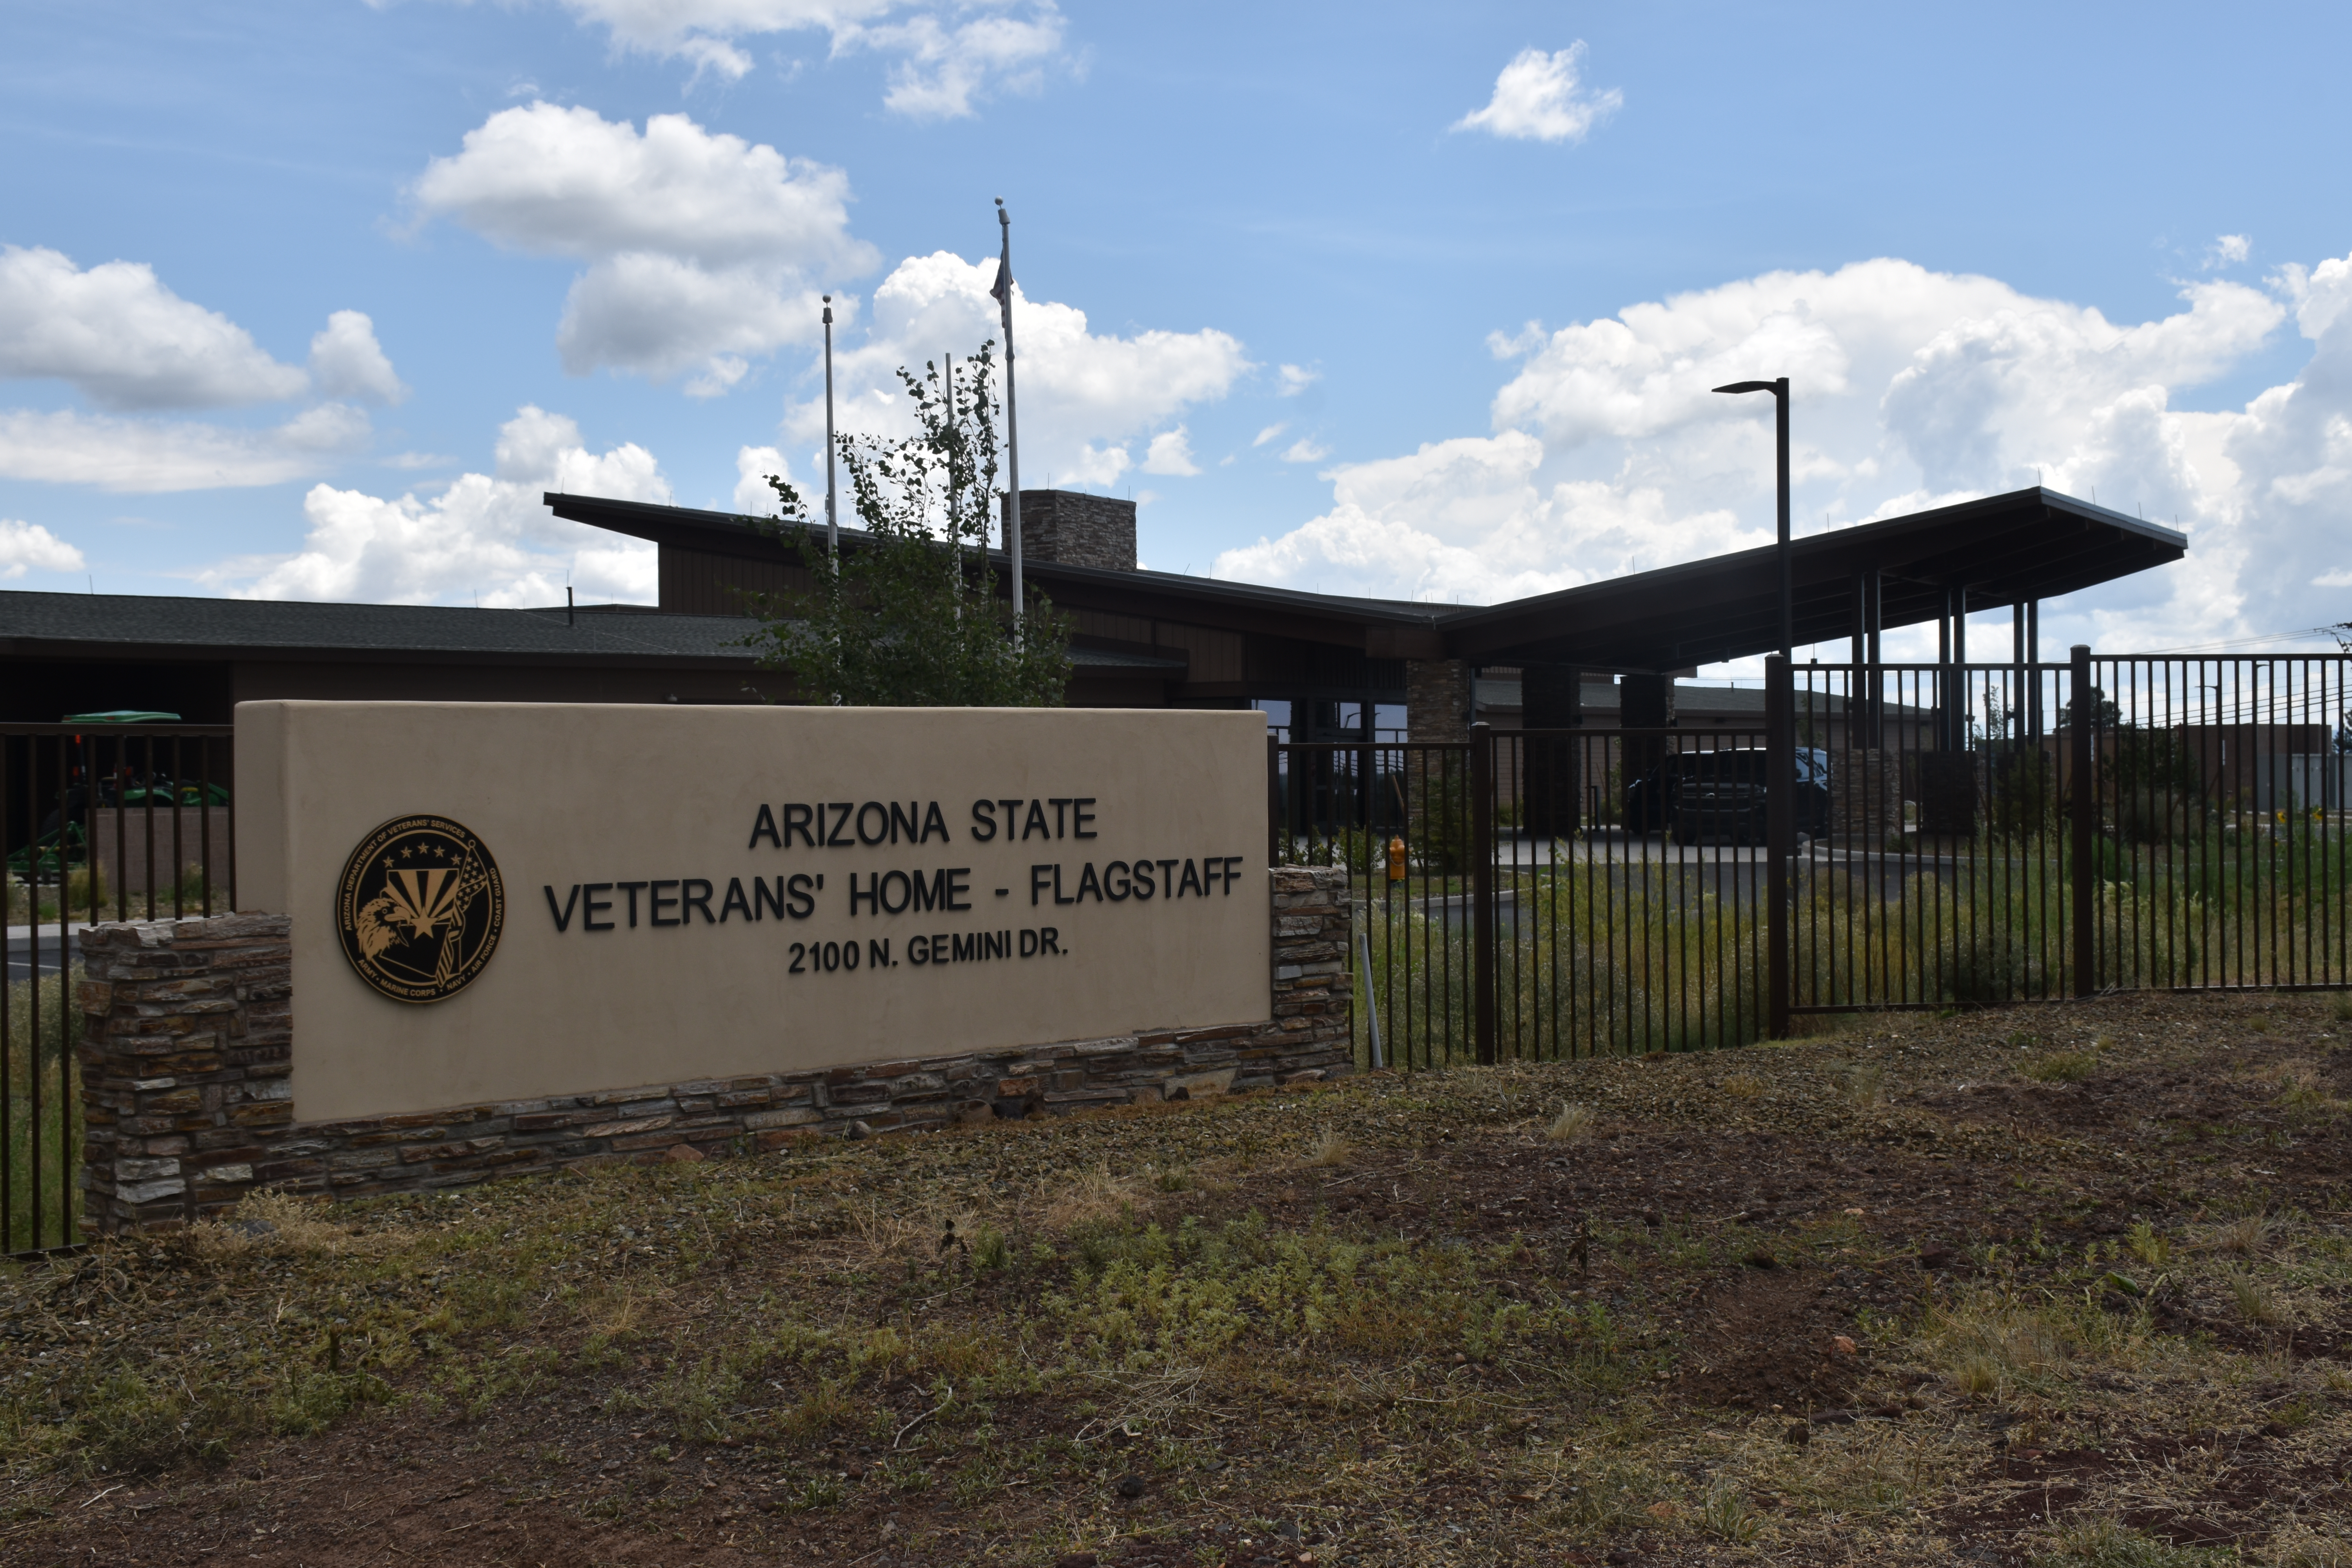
(1720, 797)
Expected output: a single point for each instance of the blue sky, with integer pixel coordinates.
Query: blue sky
(1425, 298)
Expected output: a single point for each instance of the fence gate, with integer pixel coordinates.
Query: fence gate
(106, 822)
(1947, 835)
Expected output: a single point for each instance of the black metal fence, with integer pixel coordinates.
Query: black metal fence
(98, 822)
(1887, 837)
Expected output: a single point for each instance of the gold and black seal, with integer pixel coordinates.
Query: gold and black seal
(419, 908)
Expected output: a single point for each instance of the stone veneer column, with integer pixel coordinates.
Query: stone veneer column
(1438, 697)
(187, 1049)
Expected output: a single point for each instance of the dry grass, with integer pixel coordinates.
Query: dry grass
(2061, 1067)
(1332, 1148)
(1093, 1197)
(1574, 1124)
(278, 1222)
(2243, 1235)
(1430, 1318)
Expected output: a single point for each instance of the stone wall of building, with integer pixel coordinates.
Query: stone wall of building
(1077, 528)
(1437, 699)
(187, 1049)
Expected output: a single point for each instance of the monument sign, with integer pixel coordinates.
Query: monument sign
(501, 901)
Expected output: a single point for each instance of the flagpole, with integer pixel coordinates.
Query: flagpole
(1011, 428)
(831, 519)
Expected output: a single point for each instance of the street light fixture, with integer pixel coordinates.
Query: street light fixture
(1780, 390)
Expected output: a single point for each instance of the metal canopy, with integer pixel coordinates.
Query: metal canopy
(2003, 550)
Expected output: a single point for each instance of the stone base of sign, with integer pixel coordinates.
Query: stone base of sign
(187, 1050)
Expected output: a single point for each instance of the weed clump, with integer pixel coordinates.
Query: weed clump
(1574, 1124)
(2061, 1067)
(1331, 1148)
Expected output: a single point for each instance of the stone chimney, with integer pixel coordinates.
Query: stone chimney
(1077, 530)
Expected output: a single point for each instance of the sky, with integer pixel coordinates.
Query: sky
(314, 300)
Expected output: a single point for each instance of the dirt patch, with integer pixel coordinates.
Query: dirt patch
(1790, 1300)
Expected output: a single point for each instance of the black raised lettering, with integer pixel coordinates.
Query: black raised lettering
(1040, 879)
(882, 898)
(1231, 861)
(656, 903)
(931, 892)
(563, 915)
(840, 824)
(872, 895)
(1058, 887)
(1028, 943)
(797, 815)
(918, 950)
(967, 948)
(631, 888)
(878, 953)
(1118, 892)
(955, 887)
(736, 900)
(1080, 817)
(849, 953)
(828, 957)
(800, 956)
(984, 820)
(904, 818)
(1193, 882)
(1144, 888)
(1049, 941)
(934, 822)
(999, 944)
(1087, 884)
(803, 906)
(688, 901)
(1034, 823)
(764, 822)
(590, 906)
(1061, 808)
(880, 834)
(1168, 888)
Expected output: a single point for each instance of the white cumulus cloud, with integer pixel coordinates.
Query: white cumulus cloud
(28, 547)
(754, 497)
(126, 342)
(1170, 452)
(1305, 450)
(1911, 388)
(347, 362)
(946, 53)
(703, 249)
(146, 455)
(1083, 398)
(1540, 97)
(487, 538)
(1296, 379)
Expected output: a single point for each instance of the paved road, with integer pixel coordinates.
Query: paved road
(22, 941)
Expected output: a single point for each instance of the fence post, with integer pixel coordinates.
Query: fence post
(1482, 886)
(1273, 800)
(2082, 818)
(1780, 838)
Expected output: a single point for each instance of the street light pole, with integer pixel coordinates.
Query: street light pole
(1780, 748)
(1779, 388)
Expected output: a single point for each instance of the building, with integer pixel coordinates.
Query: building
(1332, 663)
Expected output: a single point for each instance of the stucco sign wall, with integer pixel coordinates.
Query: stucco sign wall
(496, 901)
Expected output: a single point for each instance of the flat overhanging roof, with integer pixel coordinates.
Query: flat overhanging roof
(2031, 544)
(2004, 549)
